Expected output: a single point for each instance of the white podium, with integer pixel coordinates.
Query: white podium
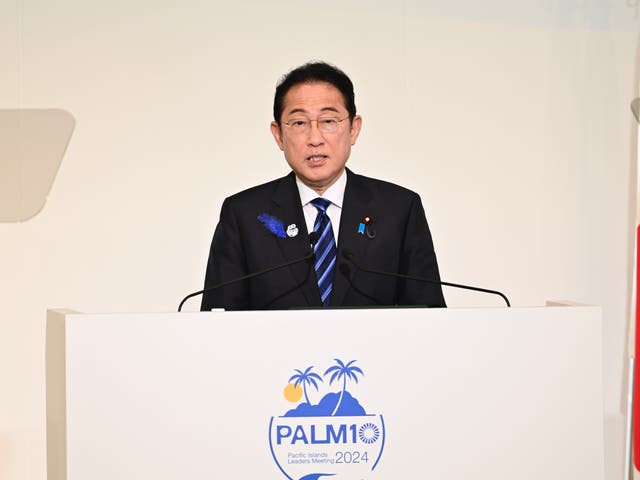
(492, 393)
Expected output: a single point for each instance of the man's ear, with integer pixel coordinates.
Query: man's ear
(356, 125)
(276, 131)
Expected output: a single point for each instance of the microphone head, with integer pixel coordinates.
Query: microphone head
(313, 238)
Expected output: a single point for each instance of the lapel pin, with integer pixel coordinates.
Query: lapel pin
(292, 230)
(272, 224)
(368, 226)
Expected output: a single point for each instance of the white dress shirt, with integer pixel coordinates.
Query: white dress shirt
(335, 194)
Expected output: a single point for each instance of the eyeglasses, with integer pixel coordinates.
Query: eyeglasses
(325, 124)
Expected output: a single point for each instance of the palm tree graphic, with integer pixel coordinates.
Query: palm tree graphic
(306, 378)
(342, 371)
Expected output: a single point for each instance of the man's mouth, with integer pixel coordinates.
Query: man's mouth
(316, 158)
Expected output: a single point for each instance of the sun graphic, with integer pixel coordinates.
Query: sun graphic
(369, 433)
(292, 392)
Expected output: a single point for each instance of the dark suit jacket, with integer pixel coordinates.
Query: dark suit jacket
(402, 244)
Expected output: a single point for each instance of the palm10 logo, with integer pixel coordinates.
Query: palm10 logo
(334, 437)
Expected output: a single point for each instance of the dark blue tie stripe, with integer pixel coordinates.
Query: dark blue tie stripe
(321, 255)
(325, 250)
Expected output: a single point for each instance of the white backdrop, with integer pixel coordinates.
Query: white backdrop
(510, 119)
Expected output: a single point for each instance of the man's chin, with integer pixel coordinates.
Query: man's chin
(319, 182)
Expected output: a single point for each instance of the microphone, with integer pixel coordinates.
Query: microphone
(348, 254)
(346, 273)
(313, 239)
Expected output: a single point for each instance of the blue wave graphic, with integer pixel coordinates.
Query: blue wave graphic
(316, 476)
(349, 407)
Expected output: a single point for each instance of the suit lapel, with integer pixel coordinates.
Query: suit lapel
(356, 203)
(287, 207)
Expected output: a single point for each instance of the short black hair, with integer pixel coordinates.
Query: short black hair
(310, 73)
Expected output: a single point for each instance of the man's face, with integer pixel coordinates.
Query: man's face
(318, 158)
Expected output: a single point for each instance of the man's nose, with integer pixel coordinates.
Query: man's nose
(315, 135)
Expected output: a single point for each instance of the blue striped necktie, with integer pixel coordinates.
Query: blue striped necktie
(325, 250)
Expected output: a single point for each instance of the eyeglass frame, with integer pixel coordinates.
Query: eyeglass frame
(309, 121)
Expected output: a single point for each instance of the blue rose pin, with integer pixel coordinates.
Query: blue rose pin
(276, 227)
(272, 224)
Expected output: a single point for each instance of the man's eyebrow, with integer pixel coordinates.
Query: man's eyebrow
(302, 110)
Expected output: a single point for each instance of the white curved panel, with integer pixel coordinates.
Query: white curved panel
(32, 145)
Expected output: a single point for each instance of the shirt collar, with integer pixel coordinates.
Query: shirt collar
(335, 193)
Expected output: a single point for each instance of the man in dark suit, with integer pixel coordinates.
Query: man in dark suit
(382, 225)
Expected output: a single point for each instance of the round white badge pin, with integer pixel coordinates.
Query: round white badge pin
(292, 230)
